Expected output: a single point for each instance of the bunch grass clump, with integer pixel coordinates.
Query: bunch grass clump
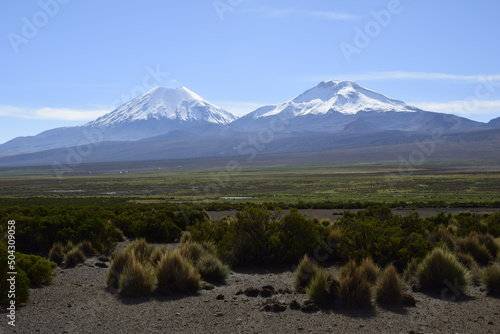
(323, 287)
(176, 274)
(491, 279)
(136, 279)
(141, 249)
(389, 289)
(87, 248)
(306, 270)
(212, 269)
(56, 253)
(471, 245)
(74, 257)
(370, 270)
(118, 264)
(355, 288)
(441, 268)
(156, 256)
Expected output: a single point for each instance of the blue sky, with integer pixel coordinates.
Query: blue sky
(65, 62)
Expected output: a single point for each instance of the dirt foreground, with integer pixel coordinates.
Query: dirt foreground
(79, 302)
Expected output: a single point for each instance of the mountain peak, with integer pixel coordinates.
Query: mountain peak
(176, 104)
(342, 96)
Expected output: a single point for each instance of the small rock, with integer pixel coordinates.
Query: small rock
(220, 297)
(490, 323)
(219, 314)
(239, 292)
(252, 292)
(69, 305)
(266, 292)
(101, 265)
(269, 287)
(295, 305)
(408, 300)
(273, 307)
(208, 286)
(177, 314)
(309, 306)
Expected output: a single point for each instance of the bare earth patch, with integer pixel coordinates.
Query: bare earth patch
(79, 302)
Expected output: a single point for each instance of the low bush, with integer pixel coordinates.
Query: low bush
(323, 287)
(355, 289)
(441, 268)
(118, 264)
(156, 256)
(491, 279)
(192, 251)
(316, 289)
(39, 270)
(471, 245)
(389, 289)
(176, 274)
(467, 260)
(141, 250)
(56, 253)
(489, 242)
(136, 280)
(212, 269)
(87, 248)
(410, 272)
(370, 270)
(22, 282)
(304, 273)
(74, 257)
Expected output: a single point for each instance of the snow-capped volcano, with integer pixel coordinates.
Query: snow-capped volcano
(178, 104)
(345, 97)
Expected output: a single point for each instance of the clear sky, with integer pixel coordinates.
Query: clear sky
(65, 62)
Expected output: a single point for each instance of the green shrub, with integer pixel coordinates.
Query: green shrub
(87, 248)
(491, 279)
(304, 273)
(389, 288)
(121, 259)
(74, 257)
(39, 270)
(136, 280)
(56, 253)
(472, 246)
(22, 287)
(441, 268)
(176, 274)
(355, 289)
(211, 268)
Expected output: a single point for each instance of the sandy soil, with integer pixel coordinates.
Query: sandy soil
(79, 302)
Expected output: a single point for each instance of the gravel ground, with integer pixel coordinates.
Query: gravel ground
(78, 302)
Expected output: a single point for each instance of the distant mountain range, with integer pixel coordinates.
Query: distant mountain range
(177, 123)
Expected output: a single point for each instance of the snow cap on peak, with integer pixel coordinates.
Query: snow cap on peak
(179, 104)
